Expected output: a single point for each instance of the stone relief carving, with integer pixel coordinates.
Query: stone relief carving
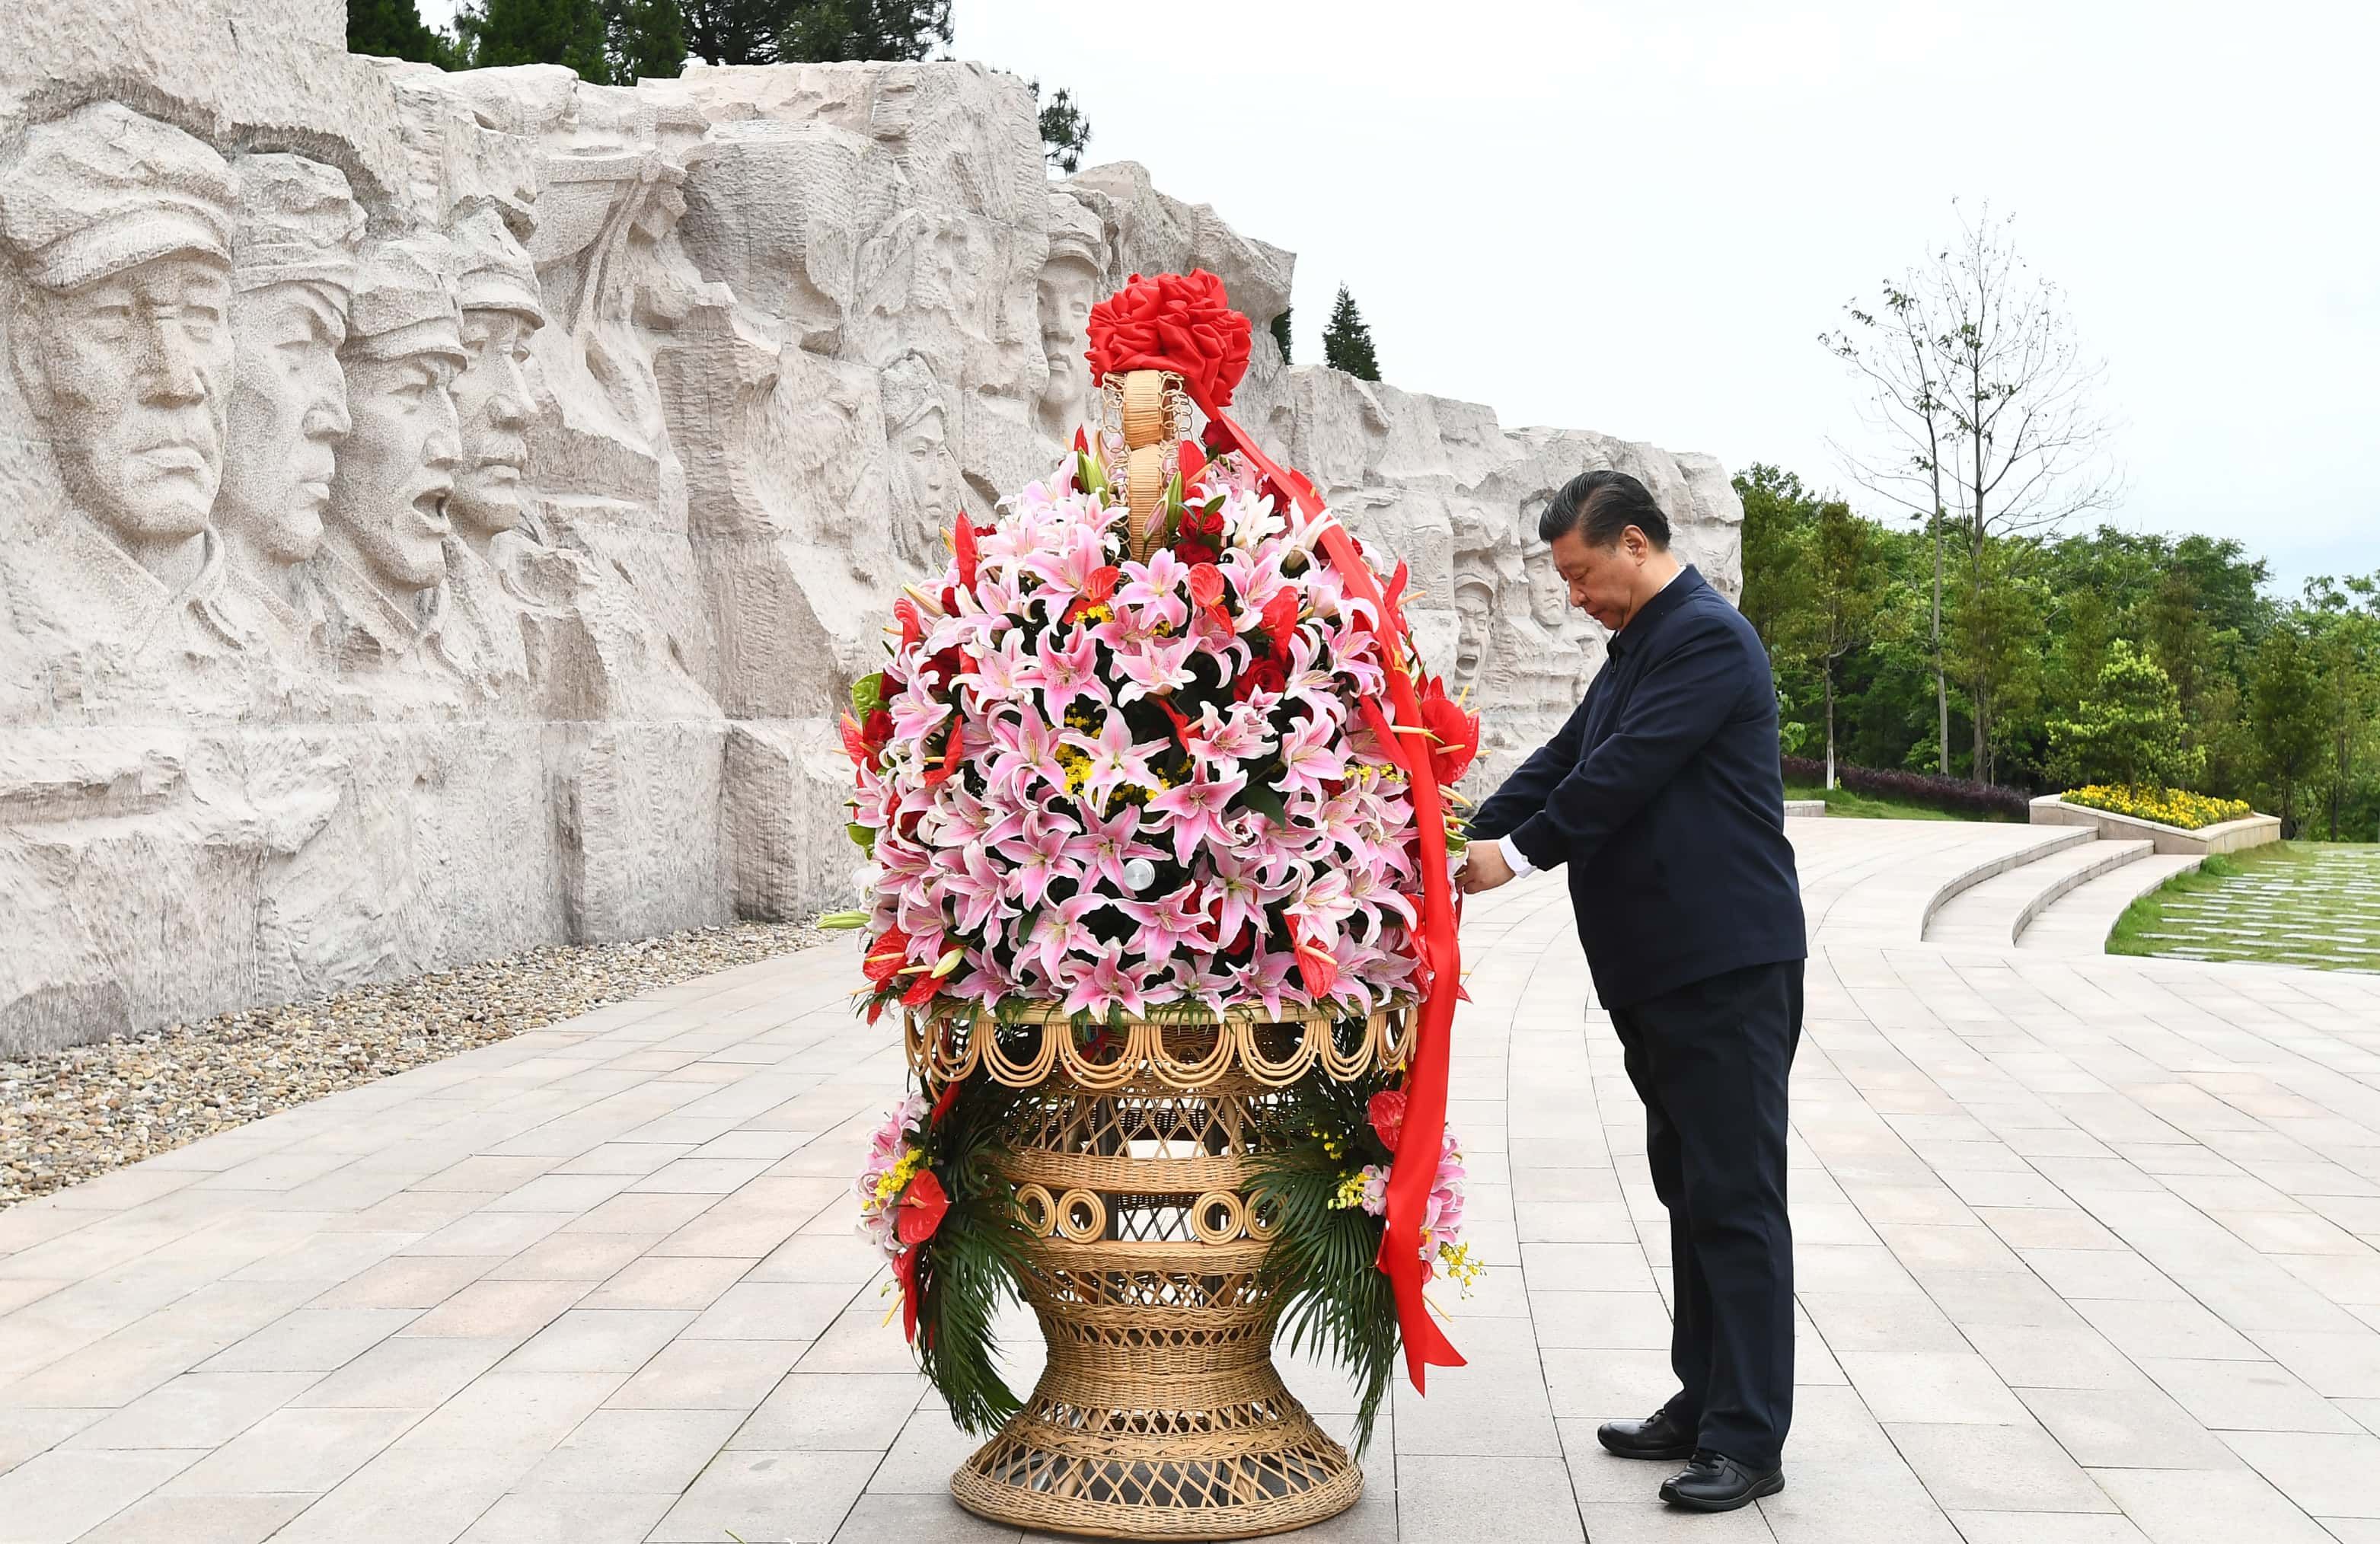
(441, 514)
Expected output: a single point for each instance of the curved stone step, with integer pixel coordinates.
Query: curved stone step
(1991, 914)
(2079, 921)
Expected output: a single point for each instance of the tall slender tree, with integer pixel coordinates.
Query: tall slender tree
(735, 31)
(1347, 342)
(1065, 132)
(394, 30)
(1842, 601)
(646, 40)
(823, 31)
(567, 33)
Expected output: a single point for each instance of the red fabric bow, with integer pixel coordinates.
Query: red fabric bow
(1178, 322)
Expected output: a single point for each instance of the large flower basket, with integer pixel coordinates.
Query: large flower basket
(1150, 784)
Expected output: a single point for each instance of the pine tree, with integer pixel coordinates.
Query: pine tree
(567, 33)
(821, 31)
(1065, 132)
(394, 30)
(1347, 342)
(736, 32)
(1280, 333)
(646, 40)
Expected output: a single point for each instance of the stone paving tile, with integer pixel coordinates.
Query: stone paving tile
(2073, 1235)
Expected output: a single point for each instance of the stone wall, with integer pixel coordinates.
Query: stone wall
(440, 515)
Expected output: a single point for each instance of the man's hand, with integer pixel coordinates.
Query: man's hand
(1484, 867)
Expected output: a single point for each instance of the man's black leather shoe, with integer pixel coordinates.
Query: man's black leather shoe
(1714, 1482)
(1658, 1436)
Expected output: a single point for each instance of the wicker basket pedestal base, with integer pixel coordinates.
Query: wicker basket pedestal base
(1228, 1456)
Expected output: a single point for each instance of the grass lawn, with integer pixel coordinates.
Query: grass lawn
(2291, 903)
(1842, 804)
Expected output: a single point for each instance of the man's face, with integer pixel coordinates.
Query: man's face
(136, 369)
(1066, 299)
(1605, 582)
(491, 402)
(288, 414)
(397, 467)
(926, 466)
(1548, 597)
(1475, 606)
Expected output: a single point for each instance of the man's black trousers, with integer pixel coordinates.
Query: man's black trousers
(1711, 1061)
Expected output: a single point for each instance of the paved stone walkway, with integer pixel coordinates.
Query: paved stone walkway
(2323, 912)
(2086, 1252)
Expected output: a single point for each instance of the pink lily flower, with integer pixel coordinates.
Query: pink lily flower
(1239, 734)
(1024, 748)
(1308, 759)
(1116, 757)
(1239, 894)
(1058, 932)
(1100, 983)
(1111, 844)
(1067, 672)
(1002, 670)
(1153, 589)
(979, 892)
(1270, 978)
(1166, 924)
(1041, 855)
(1160, 665)
(917, 712)
(1065, 568)
(1196, 808)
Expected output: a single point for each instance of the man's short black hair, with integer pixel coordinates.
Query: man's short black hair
(1599, 505)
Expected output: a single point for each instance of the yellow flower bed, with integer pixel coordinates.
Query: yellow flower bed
(2173, 807)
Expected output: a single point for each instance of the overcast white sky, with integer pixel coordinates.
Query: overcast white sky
(1635, 218)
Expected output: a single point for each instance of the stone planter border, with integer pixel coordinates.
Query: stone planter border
(2230, 836)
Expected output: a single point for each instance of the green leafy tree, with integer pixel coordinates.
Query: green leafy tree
(2340, 613)
(1994, 646)
(568, 32)
(1280, 333)
(736, 32)
(646, 40)
(823, 30)
(1843, 595)
(2287, 718)
(2128, 730)
(1065, 132)
(1778, 514)
(1347, 342)
(394, 30)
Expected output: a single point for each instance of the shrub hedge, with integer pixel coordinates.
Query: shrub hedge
(1957, 795)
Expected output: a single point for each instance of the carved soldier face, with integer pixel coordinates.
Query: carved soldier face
(926, 468)
(288, 413)
(1068, 292)
(1549, 593)
(1475, 606)
(492, 403)
(131, 373)
(397, 467)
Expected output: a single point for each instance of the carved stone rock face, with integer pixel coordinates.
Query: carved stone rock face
(1475, 605)
(288, 413)
(1069, 290)
(491, 404)
(1549, 593)
(130, 374)
(397, 467)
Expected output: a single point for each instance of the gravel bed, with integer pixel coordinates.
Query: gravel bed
(69, 1115)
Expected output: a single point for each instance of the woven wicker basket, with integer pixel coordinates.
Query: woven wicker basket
(1160, 1413)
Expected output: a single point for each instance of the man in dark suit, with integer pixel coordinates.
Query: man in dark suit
(1663, 794)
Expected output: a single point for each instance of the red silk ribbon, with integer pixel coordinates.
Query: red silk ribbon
(1414, 1169)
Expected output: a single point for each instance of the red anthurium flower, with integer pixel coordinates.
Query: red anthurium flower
(943, 1102)
(1315, 969)
(923, 1203)
(1193, 462)
(1388, 1113)
(963, 545)
(1206, 590)
(855, 743)
(924, 989)
(885, 960)
(942, 771)
(1180, 726)
(1457, 731)
(1280, 621)
(912, 631)
(905, 1271)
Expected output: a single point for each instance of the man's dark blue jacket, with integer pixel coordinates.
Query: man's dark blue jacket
(1664, 794)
